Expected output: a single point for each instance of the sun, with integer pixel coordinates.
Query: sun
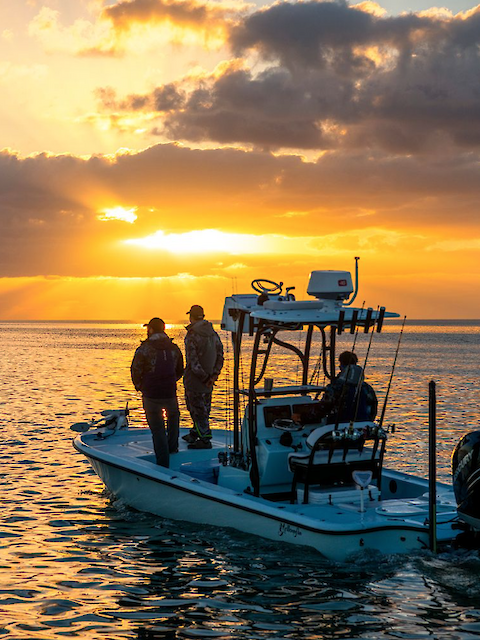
(118, 213)
(199, 241)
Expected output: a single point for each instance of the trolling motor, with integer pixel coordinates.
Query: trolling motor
(110, 422)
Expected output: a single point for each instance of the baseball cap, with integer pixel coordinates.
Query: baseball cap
(156, 324)
(196, 311)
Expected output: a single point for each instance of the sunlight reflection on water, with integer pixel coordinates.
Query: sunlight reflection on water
(75, 564)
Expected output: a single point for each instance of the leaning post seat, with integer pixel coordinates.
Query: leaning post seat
(335, 454)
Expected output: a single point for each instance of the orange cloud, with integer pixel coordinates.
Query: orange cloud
(135, 25)
(407, 219)
(191, 13)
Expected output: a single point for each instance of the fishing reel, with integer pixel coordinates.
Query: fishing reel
(234, 459)
(377, 431)
(348, 434)
(369, 432)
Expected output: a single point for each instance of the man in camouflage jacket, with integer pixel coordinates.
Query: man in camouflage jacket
(204, 356)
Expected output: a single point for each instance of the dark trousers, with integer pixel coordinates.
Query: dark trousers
(165, 440)
(199, 405)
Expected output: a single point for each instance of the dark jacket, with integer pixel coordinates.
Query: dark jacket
(156, 367)
(341, 396)
(204, 355)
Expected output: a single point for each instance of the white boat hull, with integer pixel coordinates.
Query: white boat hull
(335, 530)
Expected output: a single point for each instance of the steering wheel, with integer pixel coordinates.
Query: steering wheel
(285, 424)
(261, 286)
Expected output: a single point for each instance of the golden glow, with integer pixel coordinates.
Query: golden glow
(207, 241)
(133, 122)
(138, 299)
(119, 213)
(202, 241)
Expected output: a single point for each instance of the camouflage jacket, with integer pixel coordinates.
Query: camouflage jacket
(204, 356)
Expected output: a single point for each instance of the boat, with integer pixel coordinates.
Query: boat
(282, 469)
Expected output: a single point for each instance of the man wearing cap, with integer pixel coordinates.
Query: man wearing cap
(156, 367)
(204, 355)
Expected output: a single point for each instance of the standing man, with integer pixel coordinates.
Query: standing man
(156, 367)
(204, 355)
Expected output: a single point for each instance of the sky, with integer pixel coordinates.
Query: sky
(160, 153)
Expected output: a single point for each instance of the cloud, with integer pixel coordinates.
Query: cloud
(136, 26)
(371, 7)
(343, 203)
(270, 110)
(472, 244)
(190, 13)
(164, 99)
(83, 37)
(18, 73)
(326, 75)
(7, 35)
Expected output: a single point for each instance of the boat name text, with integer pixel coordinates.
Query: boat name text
(286, 528)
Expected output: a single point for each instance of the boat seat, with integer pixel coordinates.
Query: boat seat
(331, 461)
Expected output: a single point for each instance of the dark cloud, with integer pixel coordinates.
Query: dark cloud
(419, 90)
(333, 76)
(332, 34)
(269, 110)
(163, 99)
(308, 34)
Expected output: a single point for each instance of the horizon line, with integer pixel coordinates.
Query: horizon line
(214, 321)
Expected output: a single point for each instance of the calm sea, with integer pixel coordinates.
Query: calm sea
(75, 564)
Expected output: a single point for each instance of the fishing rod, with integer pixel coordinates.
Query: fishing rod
(391, 375)
(361, 379)
(344, 386)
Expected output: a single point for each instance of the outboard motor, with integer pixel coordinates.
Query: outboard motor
(466, 478)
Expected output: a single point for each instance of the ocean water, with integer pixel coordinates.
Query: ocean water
(76, 564)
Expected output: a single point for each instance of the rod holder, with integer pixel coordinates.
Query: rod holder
(341, 320)
(368, 319)
(353, 324)
(380, 320)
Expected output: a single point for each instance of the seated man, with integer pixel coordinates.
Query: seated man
(341, 395)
